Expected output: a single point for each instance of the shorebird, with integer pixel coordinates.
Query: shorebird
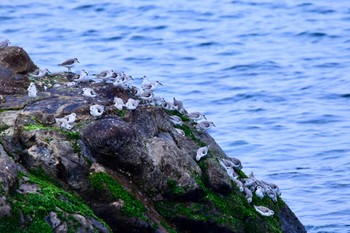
(260, 192)
(271, 194)
(39, 73)
(96, 110)
(132, 104)
(180, 131)
(70, 63)
(66, 121)
(83, 76)
(148, 84)
(166, 105)
(239, 184)
(70, 118)
(264, 211)
(118, 103)
(106, 74)
(204, 125)
(89, 92)
(176, 120)
(63, 123)
(195, 116)
(248, 194)
(201, 152)
(32, 91)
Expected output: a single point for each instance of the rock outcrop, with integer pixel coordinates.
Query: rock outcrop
(124, 171)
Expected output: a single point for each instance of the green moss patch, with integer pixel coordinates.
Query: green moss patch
(132, 206)
(120, 113)
(231, 211)
(34, 207)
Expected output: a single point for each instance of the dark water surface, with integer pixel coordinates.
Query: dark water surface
(272, 75)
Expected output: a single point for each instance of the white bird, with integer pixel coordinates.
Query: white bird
(204, 125)
(39, 73)
(248, 194)
(70, 118)
(201, 152)
(271, 194)
(63, 123)
(132, 104)
(176, 120)
(264, 211)
(231, 173)
(239, 184)
(4, 44)
(118, 103)
(167, 106)
(232, 162)
(70, 63)
(195, 116)
(89, 92)
(146, 95)
(260, 192)
(106, 74)
(180, 131)
(148, 84)
(273, 186)
(177, 104)
(83, 76)
(32, 91)
(96, 110)
(122, 80)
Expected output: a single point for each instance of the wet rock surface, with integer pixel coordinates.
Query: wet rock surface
(132, 170)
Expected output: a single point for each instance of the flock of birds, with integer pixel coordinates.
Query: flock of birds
(145, 94)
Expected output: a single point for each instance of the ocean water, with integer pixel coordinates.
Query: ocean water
(273, 75)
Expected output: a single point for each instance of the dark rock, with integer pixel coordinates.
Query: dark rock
(115, 144)
(290, 222)
(217, 178)
(53, 220)
(12, 83)
(122, 224)
(5, 207)
(149, 121)
(8, 171)
(17, 60)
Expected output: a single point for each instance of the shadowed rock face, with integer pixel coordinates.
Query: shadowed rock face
(115, 144)
(133, 168)
(17, 60)
(14, 62)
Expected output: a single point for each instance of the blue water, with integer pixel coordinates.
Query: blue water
(272, 75)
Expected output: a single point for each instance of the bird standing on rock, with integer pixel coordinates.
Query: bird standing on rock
(70, 63)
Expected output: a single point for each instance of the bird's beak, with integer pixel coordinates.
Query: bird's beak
(204, 117)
